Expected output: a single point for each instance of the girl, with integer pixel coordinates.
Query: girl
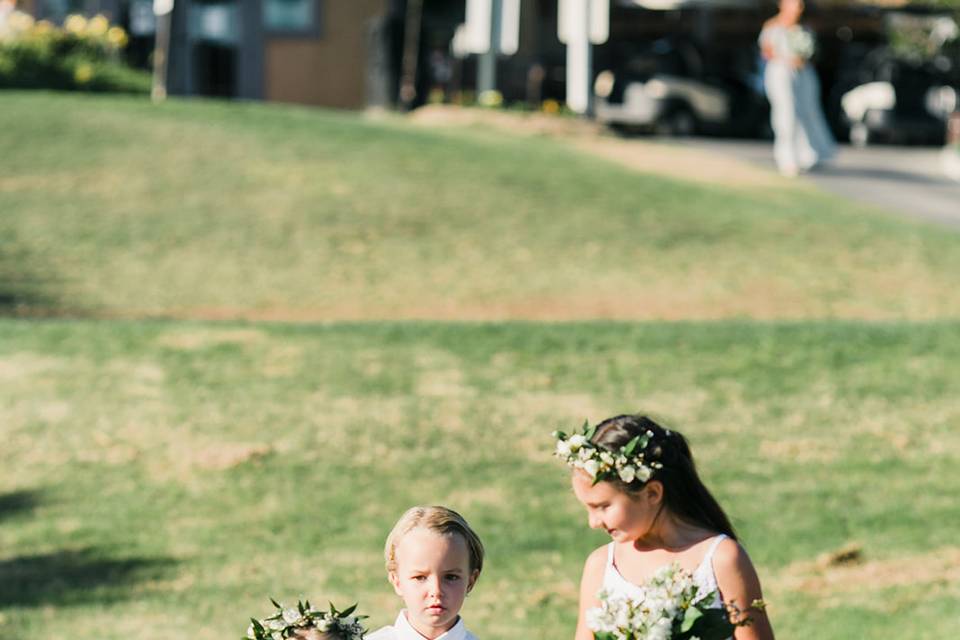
(303, 622)
(638, 483)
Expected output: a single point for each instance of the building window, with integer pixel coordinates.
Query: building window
(216, 22)
(293, 17)
(57, 10)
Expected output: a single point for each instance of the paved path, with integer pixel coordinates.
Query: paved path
(904, 180)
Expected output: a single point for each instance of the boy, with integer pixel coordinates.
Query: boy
(433, 561)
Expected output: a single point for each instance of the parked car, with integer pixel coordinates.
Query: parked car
(898, 101)
(665, 90)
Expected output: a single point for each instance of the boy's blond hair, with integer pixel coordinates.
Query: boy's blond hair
(440, 520)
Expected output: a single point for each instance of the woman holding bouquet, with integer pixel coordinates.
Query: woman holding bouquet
(801, 137)
(673, 549)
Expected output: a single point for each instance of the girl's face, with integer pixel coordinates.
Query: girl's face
(625, 517)
(433, 577)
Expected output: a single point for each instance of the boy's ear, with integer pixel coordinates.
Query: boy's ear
(395, 581)
(473, 579)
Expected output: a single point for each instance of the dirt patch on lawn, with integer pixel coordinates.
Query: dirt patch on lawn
(193, 340)
(823, 577)
(641, 155)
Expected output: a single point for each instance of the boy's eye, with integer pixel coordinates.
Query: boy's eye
(453, 577)
(419, 578)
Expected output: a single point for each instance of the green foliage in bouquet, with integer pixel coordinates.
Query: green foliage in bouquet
(83, 55)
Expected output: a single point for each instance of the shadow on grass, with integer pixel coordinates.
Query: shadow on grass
(16, 502)
(28, 286)
(74, 576)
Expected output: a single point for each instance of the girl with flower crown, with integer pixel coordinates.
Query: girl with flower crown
(638, 482)
(305, 622)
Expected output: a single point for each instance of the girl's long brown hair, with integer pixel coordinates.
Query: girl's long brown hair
(684, 494)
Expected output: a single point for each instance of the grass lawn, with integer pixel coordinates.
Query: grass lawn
(116, 207)
(162, 472)
(161, 479)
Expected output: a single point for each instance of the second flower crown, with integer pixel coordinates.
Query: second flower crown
(627, 464)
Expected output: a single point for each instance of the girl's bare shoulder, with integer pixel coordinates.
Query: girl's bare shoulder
(732, 563)
(597, 559)
(730, 553)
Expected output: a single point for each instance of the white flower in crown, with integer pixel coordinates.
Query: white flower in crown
(592, 467)
(627, 473)
(628, 464)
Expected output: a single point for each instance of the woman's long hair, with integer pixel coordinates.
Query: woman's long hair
(684, 494)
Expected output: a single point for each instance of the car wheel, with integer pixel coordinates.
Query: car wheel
(860, 135)
(680, 122)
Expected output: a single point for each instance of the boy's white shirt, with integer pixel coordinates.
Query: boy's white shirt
(403, 630)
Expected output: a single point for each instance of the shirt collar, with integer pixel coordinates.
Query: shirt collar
(405, 630)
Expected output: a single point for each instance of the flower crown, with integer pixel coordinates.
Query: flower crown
(627, 464)
(288, 620)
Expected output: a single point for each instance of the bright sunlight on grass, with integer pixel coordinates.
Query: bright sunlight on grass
(207, 210)
(171, 457)
(188, 470)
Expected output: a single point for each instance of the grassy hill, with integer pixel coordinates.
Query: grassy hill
(116, 207)
(163, 472)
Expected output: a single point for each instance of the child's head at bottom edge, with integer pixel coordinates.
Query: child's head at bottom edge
(316, 634)
(433, 561)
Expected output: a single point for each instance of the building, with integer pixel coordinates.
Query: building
(332, 53)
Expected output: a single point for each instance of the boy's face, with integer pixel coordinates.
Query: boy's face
(433, 577)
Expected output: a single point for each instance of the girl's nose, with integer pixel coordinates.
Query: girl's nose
(594, 521)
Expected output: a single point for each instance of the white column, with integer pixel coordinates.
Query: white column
(579, 62)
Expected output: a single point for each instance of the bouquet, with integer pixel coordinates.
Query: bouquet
(801, 42)
(672, 607)
(289, 622)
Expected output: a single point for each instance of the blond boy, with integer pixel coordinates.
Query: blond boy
(433, 561)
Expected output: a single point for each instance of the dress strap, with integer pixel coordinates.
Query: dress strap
(708, 559)
(610, 554)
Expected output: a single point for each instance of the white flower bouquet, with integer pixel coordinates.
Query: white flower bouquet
(672, 607)
(801, 41)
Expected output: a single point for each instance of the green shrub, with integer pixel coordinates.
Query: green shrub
(83, 55)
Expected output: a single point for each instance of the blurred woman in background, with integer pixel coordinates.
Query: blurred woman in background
(801, 137)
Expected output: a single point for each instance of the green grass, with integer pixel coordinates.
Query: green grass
(161, 479)
(116, 207)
